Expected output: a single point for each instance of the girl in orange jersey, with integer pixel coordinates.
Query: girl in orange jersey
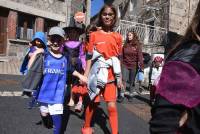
(108, 44)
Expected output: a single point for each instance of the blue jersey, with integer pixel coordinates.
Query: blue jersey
(53, 86)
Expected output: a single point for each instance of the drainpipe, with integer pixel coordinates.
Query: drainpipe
(88, 12)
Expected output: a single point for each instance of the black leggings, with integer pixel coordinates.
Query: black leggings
(166, 116)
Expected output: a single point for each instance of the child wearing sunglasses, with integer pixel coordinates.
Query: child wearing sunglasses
(52, 85)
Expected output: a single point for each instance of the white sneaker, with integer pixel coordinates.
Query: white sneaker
(127, 93)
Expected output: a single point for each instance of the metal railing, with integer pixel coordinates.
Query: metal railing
(150, 36)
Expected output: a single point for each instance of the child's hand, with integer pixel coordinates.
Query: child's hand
(83, 79)
(120, 85)
(30, 44)
(30, 54)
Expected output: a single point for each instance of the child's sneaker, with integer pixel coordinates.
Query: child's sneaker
(78, 107)
(87, 130)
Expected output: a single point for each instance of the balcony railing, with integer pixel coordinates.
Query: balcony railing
(150, 36)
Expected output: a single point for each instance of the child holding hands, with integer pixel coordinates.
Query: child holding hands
(53, 83)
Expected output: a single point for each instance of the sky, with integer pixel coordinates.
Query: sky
(96, 5)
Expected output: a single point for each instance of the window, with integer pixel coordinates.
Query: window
(48, 24)
(25, 26)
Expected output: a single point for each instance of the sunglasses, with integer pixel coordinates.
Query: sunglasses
(56, 41)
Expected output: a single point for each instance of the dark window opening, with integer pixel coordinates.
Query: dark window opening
(4, 12)
(25, 26)
(3, 30)
(48, 24)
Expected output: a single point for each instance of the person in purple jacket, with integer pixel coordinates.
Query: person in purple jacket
(73, 50)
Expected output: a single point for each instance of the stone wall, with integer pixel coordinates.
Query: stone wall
(12, 24)
(54, 6)
(17, 50)
(76, 6)
(126, 14)
(180, 15)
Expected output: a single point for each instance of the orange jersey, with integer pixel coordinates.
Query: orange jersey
(108, 44)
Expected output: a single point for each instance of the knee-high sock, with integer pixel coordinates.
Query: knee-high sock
(113, 119)
(57, 121)
(89, 113)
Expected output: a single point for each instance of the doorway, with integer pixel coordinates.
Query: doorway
(3, 31)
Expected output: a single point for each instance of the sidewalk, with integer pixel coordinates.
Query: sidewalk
(10, 67)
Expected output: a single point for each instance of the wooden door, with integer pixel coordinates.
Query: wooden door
(3, 35)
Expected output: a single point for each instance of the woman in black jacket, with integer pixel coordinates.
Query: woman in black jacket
(177, 105)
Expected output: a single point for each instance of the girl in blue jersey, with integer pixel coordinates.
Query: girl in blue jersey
(52, 88)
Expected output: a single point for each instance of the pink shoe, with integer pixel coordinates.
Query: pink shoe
(87, 130)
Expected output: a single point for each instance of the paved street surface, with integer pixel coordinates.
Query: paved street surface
(17, 119)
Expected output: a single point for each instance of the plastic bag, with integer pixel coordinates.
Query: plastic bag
(140, 75)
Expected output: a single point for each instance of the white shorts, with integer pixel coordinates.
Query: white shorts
(52, 109)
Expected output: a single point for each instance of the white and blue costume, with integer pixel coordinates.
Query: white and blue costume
(52, 89)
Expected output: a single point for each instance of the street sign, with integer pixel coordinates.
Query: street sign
(79, 17)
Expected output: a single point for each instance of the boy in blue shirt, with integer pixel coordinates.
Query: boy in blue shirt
(53, 84)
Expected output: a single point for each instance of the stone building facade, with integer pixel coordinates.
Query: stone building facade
(180, 14)
(20, 19)
(148, 21)
(155, 13)
(172, 15)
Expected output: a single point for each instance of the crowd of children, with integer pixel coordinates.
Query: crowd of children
(52, 72)
(63, 64)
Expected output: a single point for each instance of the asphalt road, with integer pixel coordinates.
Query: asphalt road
(17, 119)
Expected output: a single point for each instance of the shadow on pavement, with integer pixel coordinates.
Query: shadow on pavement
(100, 118)
(143, 99)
